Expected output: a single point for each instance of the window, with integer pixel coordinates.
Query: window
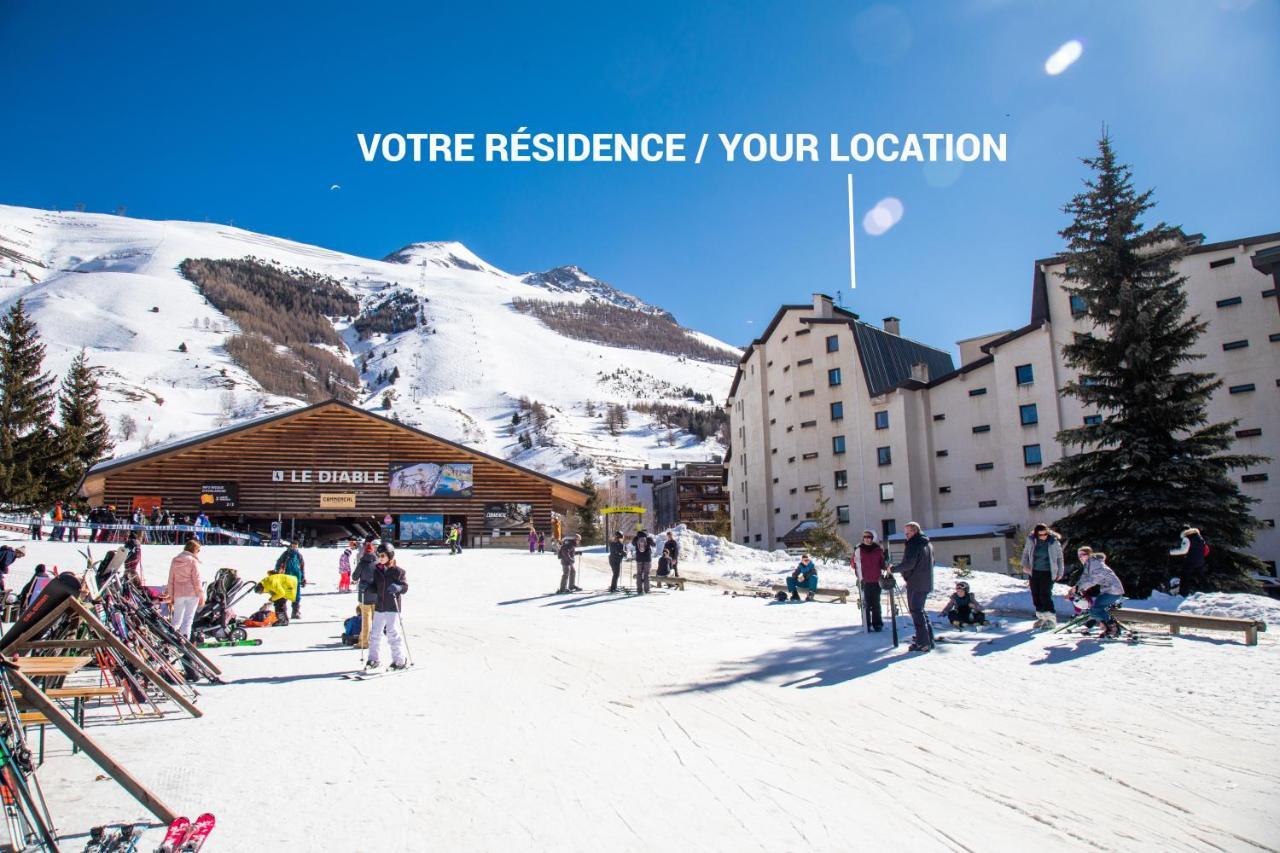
(984, 466)
(803, 332)
(977, 392)
(1213, 265)
(802, 362)
(833, 343)
(1227, 303)
(882, 420)
(837, 444)
(812, 487)
(786, 399)
(1254, 478)
(808, 393)
(774, 452)
(1248, 433)
(888, 527)
(757, 537)
(1031, 454)
(833, 376)
(982, 428)
(777, 509)
(986, 504)
(842, 512)
(1028, 414)
(809, 456)
(790, 427)
(1024, 374)
(944, 490)
(886, 492)
(1267, 294)
(1092, 420)
(785, 368)
(837, 411)
(942, 417)
(1274, 337)
(1230, 345)
(884, 456)
(790, 459)
(792, 492)
(1035, 495)
(947, 524)
(1078, 306)
(1240, 389)
(842, 479)
(746, 540)
(807, 424)
(941, 453)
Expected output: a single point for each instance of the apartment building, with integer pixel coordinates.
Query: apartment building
(634, 487)
(891, 430)
(694, 497)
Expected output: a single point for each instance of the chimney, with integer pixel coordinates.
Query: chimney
(892, 325)
(822, 305)
(919, 370)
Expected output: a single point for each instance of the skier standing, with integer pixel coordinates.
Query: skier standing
(643, 546)
(73, 524)
(389, 583)
(344, 567)
(568, 553)
(916, 569)
(363, 576)
(617, 552)
(542, 542)
(533, 540)
(37, 525)
(184, 591)
(868, 565)
(294, 565)
(1043, 564)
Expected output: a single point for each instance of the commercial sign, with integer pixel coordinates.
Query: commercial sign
(219, 494)
(431, 480)
(506, 516)
(338, 500)
(328, 475)
(614, 510)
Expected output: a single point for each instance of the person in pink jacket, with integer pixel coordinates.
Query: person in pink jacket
(185, 592)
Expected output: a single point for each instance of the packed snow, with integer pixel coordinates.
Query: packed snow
(111, 285)
(688, 720)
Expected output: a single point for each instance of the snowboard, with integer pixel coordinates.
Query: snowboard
(56, 591)
(173, 838)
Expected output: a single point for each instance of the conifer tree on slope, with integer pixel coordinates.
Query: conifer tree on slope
(824, 541)
(84, 437)
(1155, 464)
(588, 525)
(27, 454)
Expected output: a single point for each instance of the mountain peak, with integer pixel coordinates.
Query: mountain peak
(572, 278)
(445, 253)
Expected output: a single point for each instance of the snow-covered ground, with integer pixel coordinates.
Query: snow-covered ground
(690, 721)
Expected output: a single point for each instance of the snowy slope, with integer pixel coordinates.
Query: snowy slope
(92, 280)
(687, 721)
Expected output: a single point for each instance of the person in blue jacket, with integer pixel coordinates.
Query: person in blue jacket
(292, 564)
(805, 575)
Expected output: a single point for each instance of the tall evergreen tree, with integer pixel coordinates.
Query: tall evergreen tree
(824, 541)
(589, 513)
(84, 437)
(26, 405)
(1154, 465)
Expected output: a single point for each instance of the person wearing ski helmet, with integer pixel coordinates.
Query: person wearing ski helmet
(389, 584)
(868, 565)
(962, 608)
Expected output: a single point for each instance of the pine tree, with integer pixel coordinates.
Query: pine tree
(1155, 464)
(824, 541)
(26, 405)
(84, 437)
(588, 513)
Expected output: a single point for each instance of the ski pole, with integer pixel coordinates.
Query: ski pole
(404, 635)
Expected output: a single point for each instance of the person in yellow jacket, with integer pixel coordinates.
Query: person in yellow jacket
(283, 589)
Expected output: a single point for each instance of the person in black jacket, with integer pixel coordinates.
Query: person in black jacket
(916, 569)
(8, 555)
(387, 585)
(671, 550)
(644, 559)
(365, 597)
(617, 551)
(568, 553)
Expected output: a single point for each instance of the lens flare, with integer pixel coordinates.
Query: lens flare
(1063, 58)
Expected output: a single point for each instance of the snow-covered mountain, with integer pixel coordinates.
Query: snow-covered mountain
(112, 285)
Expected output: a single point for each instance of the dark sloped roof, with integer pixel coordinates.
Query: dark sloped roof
(887, 359)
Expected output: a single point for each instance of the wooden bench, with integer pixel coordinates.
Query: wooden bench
(77, 695)
(1178, 621)
(658, 580)
(839, 596)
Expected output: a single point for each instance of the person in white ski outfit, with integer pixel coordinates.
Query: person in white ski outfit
(388, 584)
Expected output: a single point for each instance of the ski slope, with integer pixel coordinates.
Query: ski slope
(93, 280)
(690, 721)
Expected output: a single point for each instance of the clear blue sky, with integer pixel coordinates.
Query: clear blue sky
(248, 112)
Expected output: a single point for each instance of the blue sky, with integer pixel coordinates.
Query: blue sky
(247, 112)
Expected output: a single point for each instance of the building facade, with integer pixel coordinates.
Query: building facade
(695, 497)
(891, 431)
(634, 487)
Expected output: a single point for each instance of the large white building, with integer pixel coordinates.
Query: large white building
(892, 431)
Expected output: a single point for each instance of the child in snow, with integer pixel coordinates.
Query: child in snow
(351, 630)
(283, 588)
(962, 608)
(344, 567)
(1099, 584)
(264, 618)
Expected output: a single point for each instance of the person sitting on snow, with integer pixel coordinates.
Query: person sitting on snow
(805, 575)
(962, 608)
(351, 630)
(283, 588)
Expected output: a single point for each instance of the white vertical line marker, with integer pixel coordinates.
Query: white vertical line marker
(853, 268)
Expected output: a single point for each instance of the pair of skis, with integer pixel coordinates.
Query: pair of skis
(114, 839)
(371, 674)
(186, 837)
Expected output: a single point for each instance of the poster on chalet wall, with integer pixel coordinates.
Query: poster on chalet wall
(431, 480)
(508, 516)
